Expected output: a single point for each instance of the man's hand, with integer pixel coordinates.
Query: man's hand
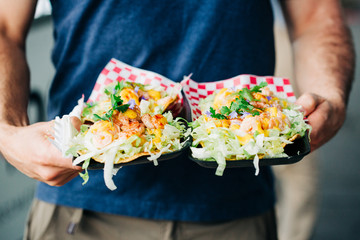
(25, 147)
(324, 115)
(30, 151)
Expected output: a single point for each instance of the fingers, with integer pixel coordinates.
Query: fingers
(325, 117)
(48, 128)
(57, 160)
(57, 176)
(314, 109)
(309, 102)
(30, 151)
(76, 122)
(51, 155)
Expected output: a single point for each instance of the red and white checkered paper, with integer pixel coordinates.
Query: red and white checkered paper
(195, 91)
(116, 70)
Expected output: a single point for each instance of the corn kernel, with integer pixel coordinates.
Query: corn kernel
(222, 99)
(285, 104)
(245, 139)
(273, 111)
(234, 126)
(265, 123)
(127, 94)
(156, 95)
(225, 123)
(259, 96)
(158, 134)
(130, 113)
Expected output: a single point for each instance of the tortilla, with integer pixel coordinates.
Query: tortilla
(119, 160)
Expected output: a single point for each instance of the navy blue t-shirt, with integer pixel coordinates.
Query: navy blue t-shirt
(214, 40)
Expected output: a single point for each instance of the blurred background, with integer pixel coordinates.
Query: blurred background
(338, 214)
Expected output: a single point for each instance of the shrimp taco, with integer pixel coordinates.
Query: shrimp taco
(245, 124)
(128, 122)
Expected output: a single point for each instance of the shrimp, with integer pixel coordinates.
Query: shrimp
(224, 98)
(133, 128)
(102, 139)
(273, 118)
(277, 105)
(250, 124)
(279, 122)
(266, 91)
(103, 133)
(121, 120)
(259, 104)
(235, 123)
(127, 127)
(146, 119)
(154, 122)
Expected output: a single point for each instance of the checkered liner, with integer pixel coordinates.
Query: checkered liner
(195, 91)
(116, 70)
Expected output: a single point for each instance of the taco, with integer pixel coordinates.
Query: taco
(245, 124)
(128, 122)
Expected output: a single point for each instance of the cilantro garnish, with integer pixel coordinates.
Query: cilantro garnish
(225, 110)
(241, 104)
(246, 94)
(116, 104)
(107, 92)
(106, 117)
(216, 115)
(119, 86)
(87, 108)
(258, 87)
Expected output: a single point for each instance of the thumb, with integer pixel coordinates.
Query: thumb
(309, 102)
(76, 123)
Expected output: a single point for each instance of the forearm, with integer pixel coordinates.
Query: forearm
(324, 61)
(14, 72)
(14, 83)
(37, 157)
(27, 148)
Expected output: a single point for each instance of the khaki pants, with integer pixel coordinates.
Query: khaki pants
(48, 221)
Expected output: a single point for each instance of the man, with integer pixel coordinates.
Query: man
(214, 40)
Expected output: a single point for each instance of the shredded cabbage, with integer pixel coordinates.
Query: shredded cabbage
(123, 148)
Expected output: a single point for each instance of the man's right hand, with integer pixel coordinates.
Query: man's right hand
(25, 147)
(29, 150)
